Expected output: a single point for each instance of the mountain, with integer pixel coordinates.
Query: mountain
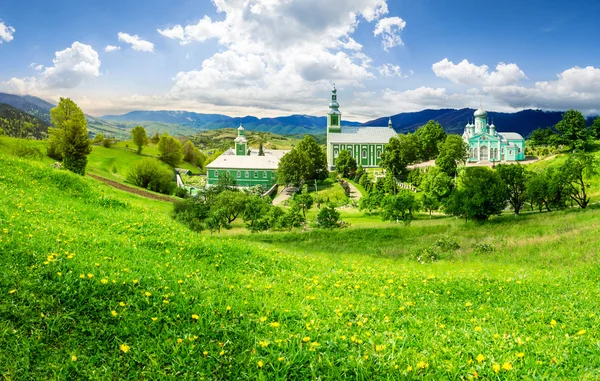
(32, 105)
(286, 125)
(19, 124)
(454, 121)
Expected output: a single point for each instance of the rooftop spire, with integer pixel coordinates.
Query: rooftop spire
(390, 123)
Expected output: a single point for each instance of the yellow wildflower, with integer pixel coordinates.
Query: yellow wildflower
(260, 364)
(496, 368)
(263, 344)
(221, 353)
(280, 359)
(422, 365)
(73, 358)
(154, 319)
(228, 308)
(507, 366)
(147, 293)
(480, 358)
(274, 325)
(124, 347)
(195, 317)
(409, 368)
(82, 276)
(179, 340)
(104, 281)
(205, 353)
(520, 355)
(305, 339)
(90, 275)
(553, 323)
(12, 291)
(122, 304)
(581, 332)
(113, 313)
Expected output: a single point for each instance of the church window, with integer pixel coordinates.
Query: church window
(255, 174)
(264, 174)
(239, 174)
(334, 120)
(216, 173)
(247, 174)
(378, 153)
(335, 154)
(364, 154)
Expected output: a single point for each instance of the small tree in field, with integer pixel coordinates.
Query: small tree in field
(70, 135)
(139, 137)
(578, 168)
(304, 202)
(479, 195)
(328, 217)
(345, 164)
(171, 150)
(515, 181)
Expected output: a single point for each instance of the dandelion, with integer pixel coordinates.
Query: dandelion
(228, 308)
(135, 281)
(274, 325)
(379, 348)
(195, 317)
(82, 276)
(205, 353)
(496, 368)
(263, 319)
(73, 358)
(113, 313)
(221, 353)
(90, 275)
(260, 364)
(480, 358)
(180, 281)
(125, 348)
(409, 368)
(122, 304)
(305, 339)
(263, 344)
(147, 293)
(422, 365)
(12, 291)
(553, 323)
(468, 304)
(478, 329)
(154, 319)
(507, 366)
(520, 355)
(104, 281)
(179, 341)
(581, 332)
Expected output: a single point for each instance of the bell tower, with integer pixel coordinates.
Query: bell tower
(241, 143)
(334, 116)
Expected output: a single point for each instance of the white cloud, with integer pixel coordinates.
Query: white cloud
(71, 67)
(276, 54)
(466, 73)
(111, 48)
(389, 28)
(136, 42)
(6, 32)
(391, 70)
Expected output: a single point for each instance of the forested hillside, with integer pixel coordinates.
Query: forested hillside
(16, 123)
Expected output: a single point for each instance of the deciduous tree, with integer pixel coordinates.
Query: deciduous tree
(514, 177)
(71, 135)
(572, 130)
(171, 150)
(479, 195)
(578, 169)
(429, 137)
(139, 137)
(345, 164)
(452, 152)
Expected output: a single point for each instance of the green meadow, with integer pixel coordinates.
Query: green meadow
(101, 284)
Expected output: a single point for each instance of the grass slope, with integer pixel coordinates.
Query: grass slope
(223, 139)
(99, 285)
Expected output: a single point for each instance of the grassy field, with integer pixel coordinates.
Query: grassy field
(99, 284)
(223, 139)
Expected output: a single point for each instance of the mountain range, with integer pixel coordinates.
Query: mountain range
(190, 123)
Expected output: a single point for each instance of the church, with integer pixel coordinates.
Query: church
(246, 166)
(488, 145)
(365, 144)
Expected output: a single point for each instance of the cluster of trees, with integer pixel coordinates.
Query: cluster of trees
(305, 162)
(106, 142)
(18, 124)
(68, 140)
(571, 132)
(171, 150)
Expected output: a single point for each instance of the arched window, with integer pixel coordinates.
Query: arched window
(335, 154)
(475, 153)
(364, 154)
(239, 174)
(378, 154)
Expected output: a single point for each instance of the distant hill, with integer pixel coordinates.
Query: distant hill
(454, 121)
(19, 124)
(286, 125)
(32, 105)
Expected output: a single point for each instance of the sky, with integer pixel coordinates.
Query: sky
(282, 57)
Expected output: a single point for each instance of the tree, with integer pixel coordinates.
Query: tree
(139, 137)
(304, 202)
(514, 178)
(98, 139)
(399, 153)
(108, 142)
(480, 194)
(578, 168)
(255, 213)
(452, 151)
(292, 169)
(193, 155)
(370, 202)
(400, 207)
(171, 150)
(261, 151)
(345, 164)
(292, 218)
(70, 135)
(328, 217)
(366, 182)
(217, 219)
(436, 186)
(541, 136)
(572, 130)
(595, 129)
(316, 159)
(232, 202)
(358, 175)
(429, 137)
(155, 138)
(547, 189)
(151, 174)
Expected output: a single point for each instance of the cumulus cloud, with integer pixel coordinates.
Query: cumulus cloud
(70, 68)
(391, 70)
(136, 42)
(466, 73)
(274, 53)
(389, 28)
(6, 32)
(111, 48)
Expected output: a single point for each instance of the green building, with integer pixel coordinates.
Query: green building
(488, 145)
(365, 144)
(245, 165)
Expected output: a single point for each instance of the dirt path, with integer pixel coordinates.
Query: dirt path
(127, 188)
(355, 194)
(285, 194)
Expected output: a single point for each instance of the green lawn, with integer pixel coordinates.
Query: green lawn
(99, 284)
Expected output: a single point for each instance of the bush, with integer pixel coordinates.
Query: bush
(150, 174)
(24, 151)
(108, 142)
(181, 192)
(192, 213)
(483, 248)
(328, 218)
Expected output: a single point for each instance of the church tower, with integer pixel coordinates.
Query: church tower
(241, 143)
(480, 121)
(334, 116)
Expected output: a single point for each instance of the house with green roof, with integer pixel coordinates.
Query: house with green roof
(245, 165)
(365, 144)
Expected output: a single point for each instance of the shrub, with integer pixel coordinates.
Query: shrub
(108, 142)
(483, 248)
(181, 192)
(328, 218)
(150, 174)
(192, 213)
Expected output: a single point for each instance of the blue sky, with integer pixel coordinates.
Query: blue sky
(266, 57)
